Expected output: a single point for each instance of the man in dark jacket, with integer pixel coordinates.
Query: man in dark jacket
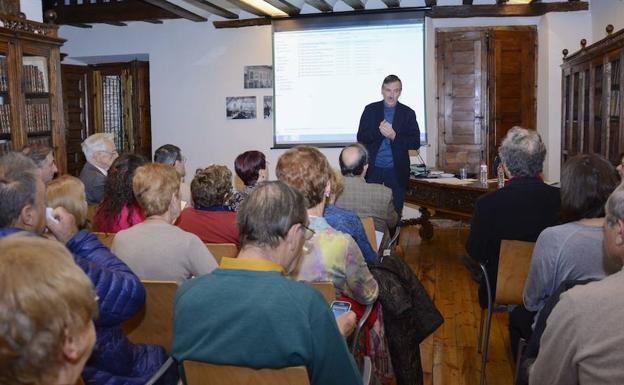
(114, 360)
(389, 130)
(518, 211)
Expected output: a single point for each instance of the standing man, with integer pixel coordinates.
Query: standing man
(99, 149)
(389, 130)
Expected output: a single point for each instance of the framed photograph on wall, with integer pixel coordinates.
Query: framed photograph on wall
(258, 77)
(268, 107)
(240, 107)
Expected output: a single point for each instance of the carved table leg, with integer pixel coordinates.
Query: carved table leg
(426, 228)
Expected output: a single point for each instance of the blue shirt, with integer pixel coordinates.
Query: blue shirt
(349, 223)
(384, 154)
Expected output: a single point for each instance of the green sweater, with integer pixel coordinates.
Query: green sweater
(260, 319)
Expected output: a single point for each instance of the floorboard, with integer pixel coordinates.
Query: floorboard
(450, 355)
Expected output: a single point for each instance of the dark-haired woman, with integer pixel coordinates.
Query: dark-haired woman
(573, 251)
(119, 209)
(251, 168)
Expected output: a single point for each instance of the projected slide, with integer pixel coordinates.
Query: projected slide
(324, 78)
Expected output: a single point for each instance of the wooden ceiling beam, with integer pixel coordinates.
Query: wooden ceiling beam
(176, 10)
(392, 3)
(153, 21)
(80, 25)
(242, 23)
(509, 10)
(467, 2)
(117, 23)
(213, 8)
(321, 5)
(430, 3)
(355, 4)
(100, 12)
(289, 7)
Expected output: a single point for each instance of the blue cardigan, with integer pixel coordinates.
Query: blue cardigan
(115, 360)
(407, 136)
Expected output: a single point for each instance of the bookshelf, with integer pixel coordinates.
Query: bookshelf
(31, 107)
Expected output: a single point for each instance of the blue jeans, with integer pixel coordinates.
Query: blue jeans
(387, 177)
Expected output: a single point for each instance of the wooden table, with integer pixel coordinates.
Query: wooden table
(450, 200)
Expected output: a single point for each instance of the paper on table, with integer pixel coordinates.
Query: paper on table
(453, 181)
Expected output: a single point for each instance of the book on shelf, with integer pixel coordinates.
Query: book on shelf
(37, 117)
(40, 140)
(5, 119)
(614, 107)
(35, 71)
(4, 74)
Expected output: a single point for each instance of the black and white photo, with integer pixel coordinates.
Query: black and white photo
(240, 107)
(258, 77)
(268, 107)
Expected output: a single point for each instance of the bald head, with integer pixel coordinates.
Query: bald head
(353, 160)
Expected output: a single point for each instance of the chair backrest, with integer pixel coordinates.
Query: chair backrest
(154, 323)
(220, 250)
(201, 373)
(369, 229)
(514, 262)
(106, 238)
(327, 290)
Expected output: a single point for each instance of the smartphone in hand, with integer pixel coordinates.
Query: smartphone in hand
(340, 307)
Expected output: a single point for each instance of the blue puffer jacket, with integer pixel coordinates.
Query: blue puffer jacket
(115, 360)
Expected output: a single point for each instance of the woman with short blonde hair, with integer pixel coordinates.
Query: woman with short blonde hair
(155, 248)
(69, 192)
(47, 306)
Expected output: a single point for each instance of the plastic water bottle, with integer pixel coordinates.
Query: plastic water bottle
(500, 176)
(483, 173)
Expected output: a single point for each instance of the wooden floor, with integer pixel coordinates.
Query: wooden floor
(450, 355)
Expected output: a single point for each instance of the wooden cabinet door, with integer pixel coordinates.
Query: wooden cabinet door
(75, 100)
(513, 85)
(462, 98)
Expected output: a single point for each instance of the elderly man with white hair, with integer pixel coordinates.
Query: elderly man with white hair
(99, 149)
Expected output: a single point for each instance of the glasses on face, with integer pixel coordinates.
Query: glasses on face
(308, 232)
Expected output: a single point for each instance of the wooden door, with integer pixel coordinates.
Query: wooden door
(141, 109)
(76, 103)
(462, 98)
(513, 82)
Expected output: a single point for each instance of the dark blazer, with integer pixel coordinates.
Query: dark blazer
(94, 182)
(407, 136)
(518, 211)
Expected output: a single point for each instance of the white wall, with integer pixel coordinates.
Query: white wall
(32, 9)
(194, 66)
(604, 12)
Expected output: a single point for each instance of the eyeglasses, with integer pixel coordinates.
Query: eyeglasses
(309, 233)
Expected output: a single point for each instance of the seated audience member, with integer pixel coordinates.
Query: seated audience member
(251, 168)
(43, 156)
(47, 307)
(330, 255)
(119, 209)
(583, 342)
(366, 199)
(277, 322)
(211, 220)
(114, 360)
(99, 149)
(572, 251)
(156, 249)
(172, 155)
(347, 221)
(518, 211)
(68, 192)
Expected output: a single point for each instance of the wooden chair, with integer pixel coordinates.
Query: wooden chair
(220, 250)
(154, 323)
(369, 229)
(514, 262)
(202, 373)
(327, 290)
(106, 238)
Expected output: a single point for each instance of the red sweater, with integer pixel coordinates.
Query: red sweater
(210, 226)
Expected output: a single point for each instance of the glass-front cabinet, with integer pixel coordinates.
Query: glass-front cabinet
(31, 109)
(592, 89)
